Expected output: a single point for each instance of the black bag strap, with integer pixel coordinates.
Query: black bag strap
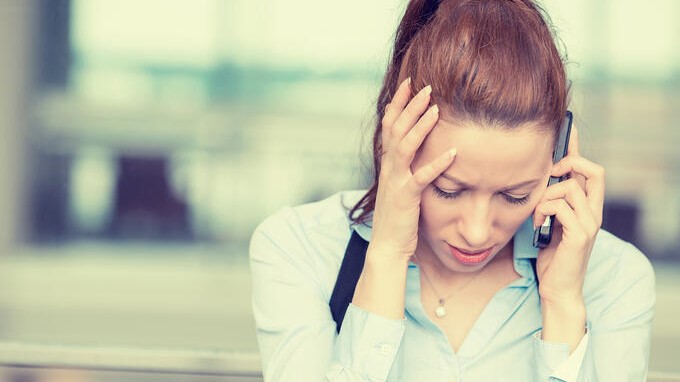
(348, 276)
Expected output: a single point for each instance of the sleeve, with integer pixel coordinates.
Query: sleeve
(554, 363)
(295, 330)
(616, 345)
(621, 334)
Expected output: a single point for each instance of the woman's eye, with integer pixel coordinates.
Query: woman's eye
(444, 194)
(515, 200)
(454, 194)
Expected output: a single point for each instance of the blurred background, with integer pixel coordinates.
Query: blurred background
(141, 142)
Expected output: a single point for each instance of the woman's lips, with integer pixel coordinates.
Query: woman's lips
(474, 257)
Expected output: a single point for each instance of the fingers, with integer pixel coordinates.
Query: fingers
(428, 173)
(594, 175)
(411, 114)
(406, 123)
(414, 138)
(558, 208)
(573, 148)
(400, 99)
(570, 191)
(571, 225)
(394, 108)
(585, 203)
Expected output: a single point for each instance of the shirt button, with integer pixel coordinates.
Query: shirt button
(385, 349)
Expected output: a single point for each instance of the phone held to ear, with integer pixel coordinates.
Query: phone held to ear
(543, 234)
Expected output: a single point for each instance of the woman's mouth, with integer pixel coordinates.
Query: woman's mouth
(470, 257)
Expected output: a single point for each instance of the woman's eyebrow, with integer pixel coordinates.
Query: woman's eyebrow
(451, 178)
(526, 183)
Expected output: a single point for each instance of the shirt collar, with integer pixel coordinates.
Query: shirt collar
(523, 243)
(364, 229)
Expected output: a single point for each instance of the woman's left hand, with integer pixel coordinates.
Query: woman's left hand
(577, 205)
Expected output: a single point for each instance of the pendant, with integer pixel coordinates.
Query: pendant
(440, 311)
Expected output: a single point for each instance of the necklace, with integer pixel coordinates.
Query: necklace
(440, 311)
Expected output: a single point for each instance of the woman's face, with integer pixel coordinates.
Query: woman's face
(473, 209)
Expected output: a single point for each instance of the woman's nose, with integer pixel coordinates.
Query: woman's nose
(475, 224)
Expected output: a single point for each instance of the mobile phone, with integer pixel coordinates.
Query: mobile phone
(543, 234)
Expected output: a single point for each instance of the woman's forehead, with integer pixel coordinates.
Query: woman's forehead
(483, 152)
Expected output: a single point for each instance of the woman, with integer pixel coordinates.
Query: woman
(469, 111)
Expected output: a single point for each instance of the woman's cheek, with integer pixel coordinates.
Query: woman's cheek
(518, 217)
(435, 213)
(427, 204)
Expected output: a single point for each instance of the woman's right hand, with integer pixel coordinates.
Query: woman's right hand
(405, 125)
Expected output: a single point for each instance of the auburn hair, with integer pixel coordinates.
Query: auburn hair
(491, 62)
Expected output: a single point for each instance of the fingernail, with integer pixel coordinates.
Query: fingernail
(434, 110)
(453, 152)
(427, 90)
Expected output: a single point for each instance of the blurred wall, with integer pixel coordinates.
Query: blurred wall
(16, 19)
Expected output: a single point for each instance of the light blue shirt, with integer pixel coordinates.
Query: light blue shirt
(295, 257)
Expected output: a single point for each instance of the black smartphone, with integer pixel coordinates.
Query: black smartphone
(543, 234)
